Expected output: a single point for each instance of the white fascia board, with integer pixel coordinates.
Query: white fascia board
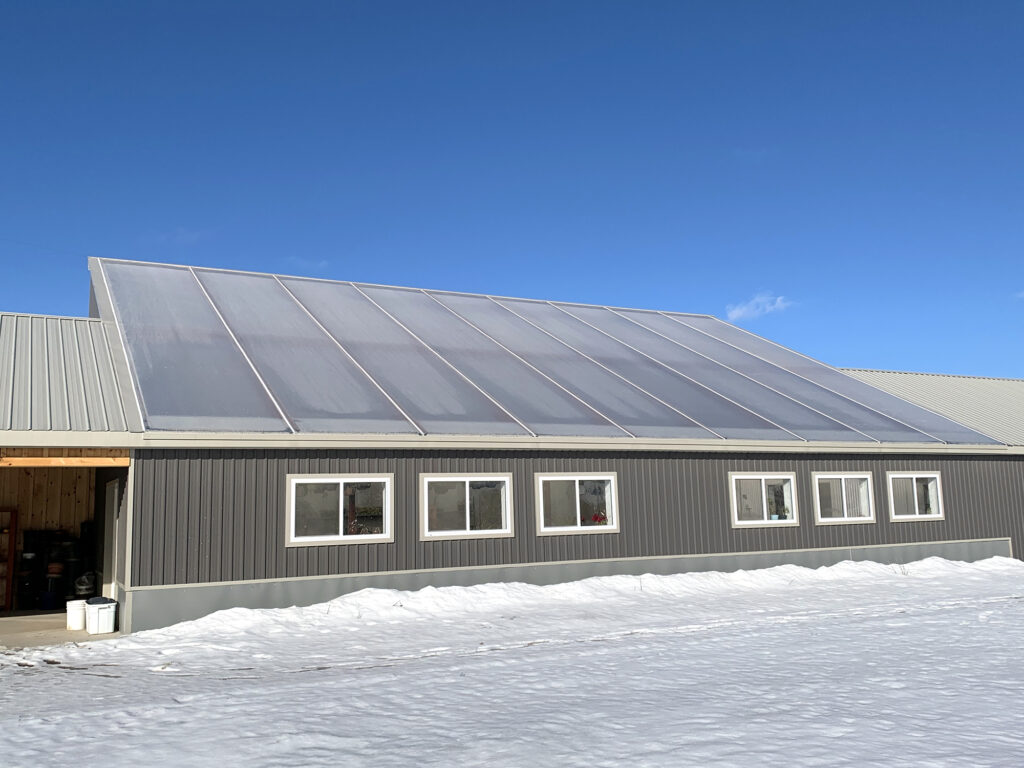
(525, 442)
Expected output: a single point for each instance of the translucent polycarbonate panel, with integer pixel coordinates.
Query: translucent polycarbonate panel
(841, 409)
(189, 372)
(744, 390)
(613, 397)
(535, 400)
(428, 390)
(699, 403)
(919, 418)
(319, 388)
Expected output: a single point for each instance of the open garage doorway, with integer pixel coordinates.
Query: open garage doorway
(61, 524)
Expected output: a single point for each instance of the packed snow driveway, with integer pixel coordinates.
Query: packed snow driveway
(856, 664)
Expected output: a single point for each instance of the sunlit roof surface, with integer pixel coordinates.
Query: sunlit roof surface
(215, 350)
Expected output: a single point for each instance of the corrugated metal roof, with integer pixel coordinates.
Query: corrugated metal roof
(243, 352)
(992, 406)
(56, 374)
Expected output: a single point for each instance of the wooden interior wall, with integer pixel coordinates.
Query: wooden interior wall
(49, 498)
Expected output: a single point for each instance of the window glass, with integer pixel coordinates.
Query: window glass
(559, 499)
(338, 509)
(844, 498)
(576, 504)
(858, 497)
(830, 497)
(750, 504)
(446, 505)
(903, 497)
(914, 495)
(456, 506)
(763, 499)
(486, 502)
(364, 509)
(593, 495)
(316, 509)
(927, 495)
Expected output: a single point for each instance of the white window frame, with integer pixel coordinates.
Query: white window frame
(508, 531)
(388, 536)
(764, 523)
(613, 503)
(913, 476)
(845, 519)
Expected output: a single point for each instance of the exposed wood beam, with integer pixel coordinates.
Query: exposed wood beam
(64, 461)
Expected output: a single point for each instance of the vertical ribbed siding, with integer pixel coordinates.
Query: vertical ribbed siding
(57, 374)
(208, 516)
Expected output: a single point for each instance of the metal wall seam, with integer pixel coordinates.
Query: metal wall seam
(528, 364)
(618, 375)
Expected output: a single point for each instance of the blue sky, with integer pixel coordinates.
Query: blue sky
(844, 178)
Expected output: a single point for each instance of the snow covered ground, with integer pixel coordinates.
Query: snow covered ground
(857, 664)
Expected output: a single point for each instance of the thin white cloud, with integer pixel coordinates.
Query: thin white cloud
(763, 303)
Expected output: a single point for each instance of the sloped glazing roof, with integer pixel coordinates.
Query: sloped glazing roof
(215, 350)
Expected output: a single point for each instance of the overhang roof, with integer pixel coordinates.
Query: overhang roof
(240, 352)
(57, 375)
(989, 405)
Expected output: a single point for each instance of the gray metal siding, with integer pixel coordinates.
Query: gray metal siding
(57, 374)
(219, 515)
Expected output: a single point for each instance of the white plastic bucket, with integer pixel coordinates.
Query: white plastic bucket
(76, 615)
(99, 619)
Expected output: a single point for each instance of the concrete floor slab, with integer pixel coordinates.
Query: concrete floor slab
(38, 629)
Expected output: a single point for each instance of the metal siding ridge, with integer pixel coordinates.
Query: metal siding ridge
(252, 365)
(78, 412)
(817, 384)
(618, 375)
(7, 327)
(445, 361)
(746, 376)
(345, 352)
(56, 376)
(113, 407)
(528, 364)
